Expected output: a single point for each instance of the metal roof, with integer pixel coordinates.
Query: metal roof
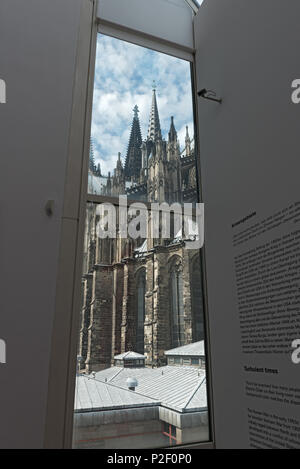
(176, 387)
(92, 395)
(198, 400)
(130, 356)
(195, 349)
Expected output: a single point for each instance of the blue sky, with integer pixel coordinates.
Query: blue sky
(123, 78)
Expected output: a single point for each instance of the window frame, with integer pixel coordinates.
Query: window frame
(63, 438)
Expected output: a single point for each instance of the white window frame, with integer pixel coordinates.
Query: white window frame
(63, 365)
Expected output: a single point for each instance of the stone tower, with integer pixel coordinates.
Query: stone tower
(133, 162)
(161, 160)
(143, 295)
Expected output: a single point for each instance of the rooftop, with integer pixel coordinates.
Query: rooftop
(196, 349)
(179, 388)
(130, 356)
(92, 395)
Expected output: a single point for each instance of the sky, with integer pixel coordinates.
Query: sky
(123, 78)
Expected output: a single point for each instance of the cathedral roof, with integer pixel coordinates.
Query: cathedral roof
(96, 184)
(143, 248)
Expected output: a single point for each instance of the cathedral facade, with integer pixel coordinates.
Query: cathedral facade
(141, 295)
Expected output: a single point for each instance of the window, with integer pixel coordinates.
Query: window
(197, 298)
(141, 285)
(141, 291)
(170, 432)
(177, 310)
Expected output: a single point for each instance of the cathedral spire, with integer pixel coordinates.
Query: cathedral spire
(133, 162)
(172, 132)
(92, 158)
(154, 131)
(119, 167)
(187, 142)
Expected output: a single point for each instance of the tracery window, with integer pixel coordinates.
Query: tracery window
(141, 290)
(197, 299)
(177, 310)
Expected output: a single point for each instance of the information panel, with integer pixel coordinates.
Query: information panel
(250, 165)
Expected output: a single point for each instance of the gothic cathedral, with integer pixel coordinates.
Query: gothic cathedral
(141, 295)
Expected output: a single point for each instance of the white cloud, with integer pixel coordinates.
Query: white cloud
(123, 77)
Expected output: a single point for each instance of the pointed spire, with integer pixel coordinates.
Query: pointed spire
(187, 142)
(108, 183)
(154, 131)
(133, 162)
(172, 133)
(136, 112)
(92, 157)
(119, 167)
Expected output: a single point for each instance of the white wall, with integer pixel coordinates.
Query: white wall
(39, 52)
(170, 20)
(249, 151)
(38, 44)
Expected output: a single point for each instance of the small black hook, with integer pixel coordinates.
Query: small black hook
(210, 95)
(49, 208)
